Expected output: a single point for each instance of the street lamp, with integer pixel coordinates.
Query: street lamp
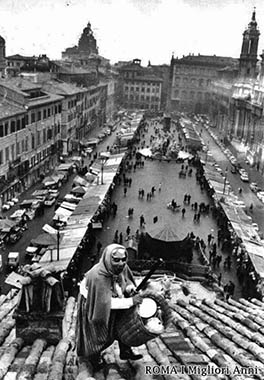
(58, 245)
(225, 180)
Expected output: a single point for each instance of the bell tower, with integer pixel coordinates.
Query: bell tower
(249, 51)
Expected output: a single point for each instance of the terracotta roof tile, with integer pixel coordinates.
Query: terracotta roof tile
(203, 334)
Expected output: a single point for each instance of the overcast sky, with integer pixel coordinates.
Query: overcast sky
(127, 29)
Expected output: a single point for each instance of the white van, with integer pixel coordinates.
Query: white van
(13, 260)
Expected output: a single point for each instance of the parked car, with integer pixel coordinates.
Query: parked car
(254, 187)
(6, 207)
(54, 193)
(15, 235)
(36, 258)
(233, 169)
(244, 177)
(242, 171)
(31, 250)
(12, 260)
(260, 195)
(50, 201)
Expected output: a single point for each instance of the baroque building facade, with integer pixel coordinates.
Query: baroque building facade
(237, 102)
(190, 81)
(30, 127)
(139, 87)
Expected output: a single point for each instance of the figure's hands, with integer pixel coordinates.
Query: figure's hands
(130, 290)
(137, 299)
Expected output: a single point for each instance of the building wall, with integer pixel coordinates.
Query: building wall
(140, 94)
(191, 78)
(29, 143)
(191, 85)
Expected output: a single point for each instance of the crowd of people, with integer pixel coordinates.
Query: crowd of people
(187, 206)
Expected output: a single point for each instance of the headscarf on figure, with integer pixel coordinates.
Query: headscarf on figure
(95, 321)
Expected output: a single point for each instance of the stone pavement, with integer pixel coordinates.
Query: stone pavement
(166, 173)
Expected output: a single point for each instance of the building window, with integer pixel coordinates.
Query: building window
(142, 89)
(39, 115)
(33, 117)
(13, 126)
(17, 148)
(7, 154)
(32, 141)
(12, 152)
(44, 114)
(137, 89)
(22, 146)
(38, 138)
(1, 157)
(18, 125)
(48, 112)
(148, 89)
(6, 128)
(1, 130)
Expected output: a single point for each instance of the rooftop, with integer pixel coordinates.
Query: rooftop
(205, 332)
(8, 110)
(206, 60)
(63, 88)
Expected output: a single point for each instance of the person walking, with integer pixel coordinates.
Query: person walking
(125, 191)
(121, 238)
(142, 221)
(128, 231)
(99, 246)
(183, 212)
(160, 187)
(116, 237)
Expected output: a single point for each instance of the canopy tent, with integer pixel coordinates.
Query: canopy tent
(78, 190)
(146, 152)
(45, 239)
(79, 181)
(90, 177)
(164, 233)
(6, 225)
(184, 155)
(18, 214)
(62, 215)
(51, 180)
(165, 244)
